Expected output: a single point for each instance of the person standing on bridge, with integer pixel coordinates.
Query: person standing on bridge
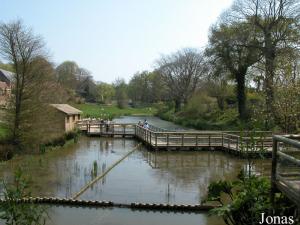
(146, 125)
(140, 123)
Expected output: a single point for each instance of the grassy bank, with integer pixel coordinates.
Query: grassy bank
(216, 120)
(104, 111)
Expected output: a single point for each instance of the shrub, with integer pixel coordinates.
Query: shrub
(200, 105)
(20, 213)
(247, 198)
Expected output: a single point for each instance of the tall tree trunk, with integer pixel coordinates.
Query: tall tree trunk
(270, 56)
(221, 102)
(17, 112)
(177, 105)
(241, 93)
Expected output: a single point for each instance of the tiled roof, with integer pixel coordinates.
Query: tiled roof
(7, 74)
(67, 109)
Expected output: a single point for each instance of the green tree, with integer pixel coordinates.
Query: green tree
(67, 73)
(158, 89)
(28, 116)
(105, 92)
(121, 93)
(276, 24)
(181, 73)
(139, 89)
(19, 46)
(229, 45)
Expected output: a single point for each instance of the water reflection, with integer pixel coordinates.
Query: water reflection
(169, 177)
(65, 171)
(145, 176)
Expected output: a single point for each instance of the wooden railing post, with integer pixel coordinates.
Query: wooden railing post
(222, 139)
(209, 139)
(274, 170)
(237, 143)
(167, 139)
(228, 139)
(196, 140)
(147, 136)
(155, 139)
(182, 139)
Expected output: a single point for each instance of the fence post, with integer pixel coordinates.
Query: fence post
(196, 140)
(274, 170)
(209, 140)
(222, 139)
(167, 139)
(229, 139)
(156, 140)
(182, 139)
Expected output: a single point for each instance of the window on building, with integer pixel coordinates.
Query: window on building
(68, 118)
(74, 117)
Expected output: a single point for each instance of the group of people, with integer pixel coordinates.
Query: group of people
(106, 123)
(145, 124)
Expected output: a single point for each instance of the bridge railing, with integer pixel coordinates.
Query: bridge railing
(110, 128)
(205, 139)
(286, 166)
(158, 137)
(254, 142)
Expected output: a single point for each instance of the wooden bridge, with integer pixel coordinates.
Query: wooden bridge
(157, 138)
(284, 149)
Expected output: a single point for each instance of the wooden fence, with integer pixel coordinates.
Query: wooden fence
(286, 167)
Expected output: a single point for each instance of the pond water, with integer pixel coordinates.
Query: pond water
(118, 216)
(180, 177)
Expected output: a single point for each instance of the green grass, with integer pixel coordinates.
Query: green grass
(104, 111)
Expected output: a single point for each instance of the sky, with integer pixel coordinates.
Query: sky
(116, 38)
